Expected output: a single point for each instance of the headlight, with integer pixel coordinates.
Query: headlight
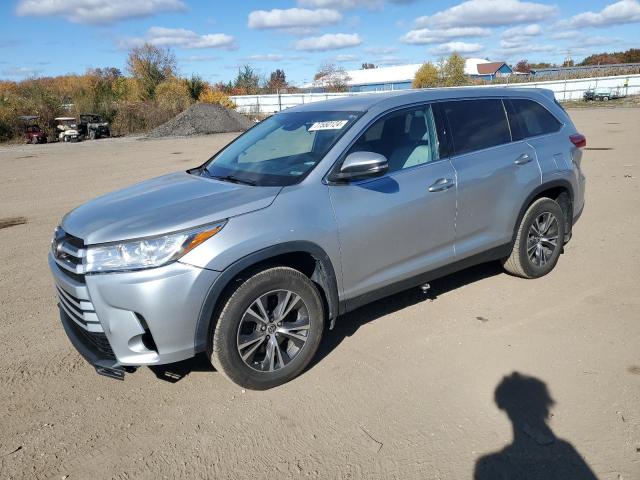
(148, 252)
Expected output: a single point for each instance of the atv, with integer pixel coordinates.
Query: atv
(93, 126)
(32, 132)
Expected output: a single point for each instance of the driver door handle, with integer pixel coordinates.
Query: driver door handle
(442, 184)
(523, 159)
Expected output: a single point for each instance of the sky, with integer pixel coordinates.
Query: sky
(212, 38)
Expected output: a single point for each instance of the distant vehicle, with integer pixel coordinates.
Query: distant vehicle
(603, 94)
(32, 132)
(93, 126)
(67, 129)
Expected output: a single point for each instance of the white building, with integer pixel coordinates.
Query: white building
(400, 77)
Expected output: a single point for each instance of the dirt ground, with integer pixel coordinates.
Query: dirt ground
(403, 388)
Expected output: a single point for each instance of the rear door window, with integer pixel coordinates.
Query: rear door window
(477, 124)
(533, 118)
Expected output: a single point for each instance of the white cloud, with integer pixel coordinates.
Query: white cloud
(21, 72)
(200, 58)
(509, 49)
(98, 11)
(329, 41)
(520, 32)
(182, 38)
(624, 11)
(424, 36)
(390, 60)
(518, 36)
(350, 4)
(292, 18)
(488, 12)
(340, 4)
(564, 34)
(381, 50)
(266, 57)
(458, 47)
(344, 58)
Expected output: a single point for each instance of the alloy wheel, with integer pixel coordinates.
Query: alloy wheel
(273, 330)
(542, 239)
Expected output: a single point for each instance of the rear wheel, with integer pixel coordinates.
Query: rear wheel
(538, 241)
(269, 329)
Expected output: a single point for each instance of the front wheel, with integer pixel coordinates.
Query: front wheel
(538, 241)
(269, 329)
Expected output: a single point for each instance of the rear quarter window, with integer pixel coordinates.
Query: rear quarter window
(477, 124)
(533, 118)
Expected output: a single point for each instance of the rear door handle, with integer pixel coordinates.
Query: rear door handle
(523, 159)
(442, 184)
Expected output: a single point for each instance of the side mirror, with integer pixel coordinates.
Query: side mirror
(361, 165)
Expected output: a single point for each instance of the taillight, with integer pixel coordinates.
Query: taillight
(579, 140)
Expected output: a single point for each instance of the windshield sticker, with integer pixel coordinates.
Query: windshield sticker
(329, 125)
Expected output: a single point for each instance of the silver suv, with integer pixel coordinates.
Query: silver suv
(310, 214)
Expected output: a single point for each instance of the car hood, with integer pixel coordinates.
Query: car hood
(165, 204)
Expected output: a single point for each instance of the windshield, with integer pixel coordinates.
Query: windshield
(282, 149)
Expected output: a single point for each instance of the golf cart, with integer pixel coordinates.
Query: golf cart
(66, 129)
(32, 132)
(93, 126)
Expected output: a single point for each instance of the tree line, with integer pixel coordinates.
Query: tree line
(147, 94)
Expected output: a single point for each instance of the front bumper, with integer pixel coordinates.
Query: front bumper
(147, 317)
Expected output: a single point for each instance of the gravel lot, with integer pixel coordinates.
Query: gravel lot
(403, 388)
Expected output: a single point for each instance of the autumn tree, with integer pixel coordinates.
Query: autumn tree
(173, 96)
(427, 76)
(149, 66)
(212, 95)
(247, 81)
(523, 66)
(277, 81)
(453, 71)
(332, 78)
(195, 85)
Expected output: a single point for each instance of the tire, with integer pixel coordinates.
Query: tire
(605, 99)
(238, 331)
(533, 254)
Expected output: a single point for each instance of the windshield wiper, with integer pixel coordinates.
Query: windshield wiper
(233, 179)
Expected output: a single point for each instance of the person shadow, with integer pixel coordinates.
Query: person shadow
(535, 453)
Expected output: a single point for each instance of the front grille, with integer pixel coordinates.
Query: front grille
(95, 341)
(69, 252)
(82, 312)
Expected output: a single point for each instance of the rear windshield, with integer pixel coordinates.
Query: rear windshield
(533, 118)
(282, 149)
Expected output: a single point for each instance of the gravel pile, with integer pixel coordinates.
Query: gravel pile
(202, 119)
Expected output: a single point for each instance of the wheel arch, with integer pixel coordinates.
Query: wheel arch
(559, 190)
(307, 257)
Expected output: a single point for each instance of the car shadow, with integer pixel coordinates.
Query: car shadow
(348, 324)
